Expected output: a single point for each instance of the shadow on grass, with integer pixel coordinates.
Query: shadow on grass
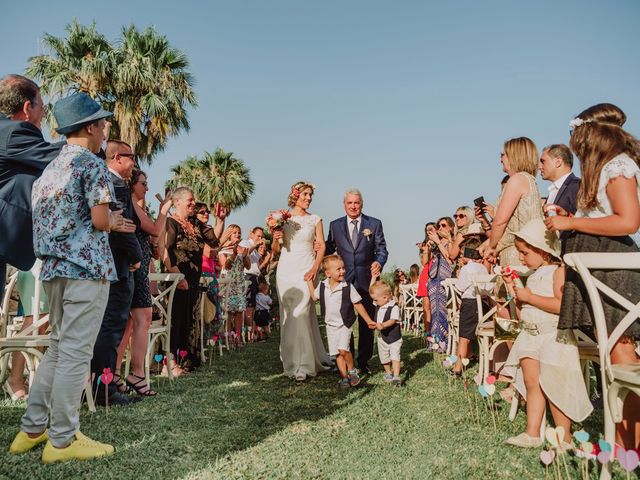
(230, 406)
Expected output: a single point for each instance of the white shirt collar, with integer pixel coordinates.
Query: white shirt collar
(116, 173)
(340, 286)
(558, 183)
(391, 303)
(357, 219)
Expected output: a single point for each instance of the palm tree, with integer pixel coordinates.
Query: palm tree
(79, 63)
(141, 78)
(152, 89)
(216, 178)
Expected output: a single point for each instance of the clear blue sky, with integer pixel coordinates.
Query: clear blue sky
(410, 101)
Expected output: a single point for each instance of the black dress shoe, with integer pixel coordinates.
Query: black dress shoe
(365, 370)
(119, 399)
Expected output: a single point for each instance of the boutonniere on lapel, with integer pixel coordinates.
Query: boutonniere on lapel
(367, 233)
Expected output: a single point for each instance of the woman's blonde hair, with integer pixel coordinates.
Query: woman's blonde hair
(523, 155)
(471, 218)
(296, 190)
(595, 142)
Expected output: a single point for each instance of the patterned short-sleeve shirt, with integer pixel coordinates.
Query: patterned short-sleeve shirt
(63, 234)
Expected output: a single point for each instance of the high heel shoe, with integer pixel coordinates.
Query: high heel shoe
(13, 395)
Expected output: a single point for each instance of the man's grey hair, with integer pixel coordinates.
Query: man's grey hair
(352, 191)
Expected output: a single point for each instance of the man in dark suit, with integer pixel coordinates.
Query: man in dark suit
(556, 163)
(127, 255)
(24, 154)
(359, 240)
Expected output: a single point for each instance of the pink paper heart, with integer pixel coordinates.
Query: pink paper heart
(628, 459)
(106, 370)
(106, 378)
(547, 456)
(491, 379)
(604, 457)
(182, 353)
(477, 379)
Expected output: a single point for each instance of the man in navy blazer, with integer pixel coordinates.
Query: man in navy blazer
(359, 240)
(24, 154)
(556, 163)
(127, 255)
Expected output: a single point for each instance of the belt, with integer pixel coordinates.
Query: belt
(538, 328)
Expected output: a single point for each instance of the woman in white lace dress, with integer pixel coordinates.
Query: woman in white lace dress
(301, 349)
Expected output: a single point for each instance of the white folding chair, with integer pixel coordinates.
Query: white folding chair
(412, 312)
(160, 330)
(617, 379)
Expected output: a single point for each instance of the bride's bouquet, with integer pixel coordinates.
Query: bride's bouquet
(276, 220)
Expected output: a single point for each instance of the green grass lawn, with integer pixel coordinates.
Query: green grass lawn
(240, 418)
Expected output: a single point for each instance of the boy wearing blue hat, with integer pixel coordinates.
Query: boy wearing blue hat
(71, 221)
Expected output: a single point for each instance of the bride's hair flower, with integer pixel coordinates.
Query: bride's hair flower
(296, 190)
(576, 122)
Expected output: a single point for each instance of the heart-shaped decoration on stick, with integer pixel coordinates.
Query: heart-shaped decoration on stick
(604, 457)
(587, 448)
(490, 380)
(157, 358)
(482, 391)
(554, 435)
(581, 436)
(547, 456)
(604, 445)
(453, 358)
(182, 353)
(628, 459)
(465, 361)
(477, 379)
(107, 376)
(490, 389)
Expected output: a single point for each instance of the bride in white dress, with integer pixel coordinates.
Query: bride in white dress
(301, 349)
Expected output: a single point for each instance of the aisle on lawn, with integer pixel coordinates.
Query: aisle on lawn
(240, 418)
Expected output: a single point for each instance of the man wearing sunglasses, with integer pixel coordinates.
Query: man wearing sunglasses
(127, 255)
(24, 154)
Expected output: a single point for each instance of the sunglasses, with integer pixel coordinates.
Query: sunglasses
(203, 212)
(443, 225)
(459, 215)
(144, 184)
(130, 155)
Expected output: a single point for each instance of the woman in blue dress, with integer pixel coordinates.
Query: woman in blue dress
(439, 270)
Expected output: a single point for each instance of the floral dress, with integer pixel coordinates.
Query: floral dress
(235, 296)
(439, 270)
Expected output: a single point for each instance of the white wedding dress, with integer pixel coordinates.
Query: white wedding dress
(301, 349)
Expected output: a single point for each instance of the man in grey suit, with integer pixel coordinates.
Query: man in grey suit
(24, 154)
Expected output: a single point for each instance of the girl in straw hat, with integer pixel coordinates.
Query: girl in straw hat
(549, 363)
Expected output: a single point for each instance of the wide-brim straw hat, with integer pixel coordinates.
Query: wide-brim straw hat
(75, 111)
(535, 233)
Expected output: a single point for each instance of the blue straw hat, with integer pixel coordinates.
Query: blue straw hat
(76, 111)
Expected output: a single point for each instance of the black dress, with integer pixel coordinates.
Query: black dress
(142, 290)
(575, 311)
(185, 252)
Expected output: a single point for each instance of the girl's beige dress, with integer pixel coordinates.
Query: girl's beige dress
(560, 374)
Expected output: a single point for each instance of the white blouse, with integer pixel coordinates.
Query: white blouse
(622, 165)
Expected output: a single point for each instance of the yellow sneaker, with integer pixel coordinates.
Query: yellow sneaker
(82, 448)
(23, 442)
